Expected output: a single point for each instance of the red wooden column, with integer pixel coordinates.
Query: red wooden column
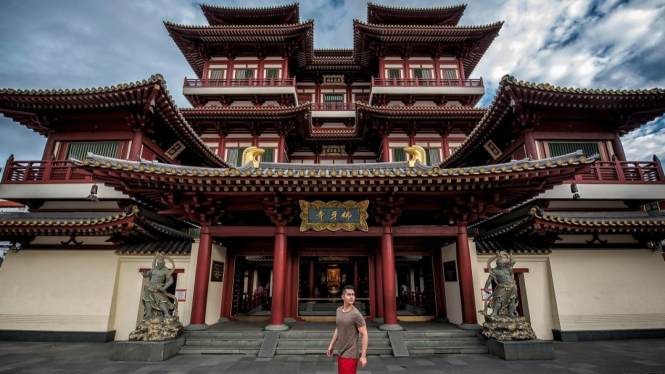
(389, 292)
(311, 279)
(278, 282)
(618, 147)
(289, 284)
(355, 275)
(137, 142)
(386, 149)
(280, 149)
(530, 144)
(465, 276)
(440, 286)
(200, 299)
(49, 150)
(227, 287)
(379, 285)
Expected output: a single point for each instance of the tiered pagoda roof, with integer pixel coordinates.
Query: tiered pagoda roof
(276, 15)
(468, 41)
(35, 109)
(199, 43)
(387, 15)
(631, 109)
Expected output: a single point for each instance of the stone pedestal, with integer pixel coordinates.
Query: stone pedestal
(521, 350)
(157, 329)
(147, 351)
(507, 328)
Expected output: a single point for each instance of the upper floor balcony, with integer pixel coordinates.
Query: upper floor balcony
(42, 171)
(245, 86)
(623, 172)
(48, 179)
(427, 86)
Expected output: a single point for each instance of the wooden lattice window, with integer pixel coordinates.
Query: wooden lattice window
(332, 98)
(393, 73)
(79, 150)
(450, 73)
(433, 158)
(235, 156)
(269, 156)
(244, 73)
(272, 73)
(562, 148)
(216, 73)
(422, 73)
(398, 155)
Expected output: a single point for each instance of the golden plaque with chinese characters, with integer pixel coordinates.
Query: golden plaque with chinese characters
(333, 215)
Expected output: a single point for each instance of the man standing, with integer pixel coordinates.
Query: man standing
(349, 323)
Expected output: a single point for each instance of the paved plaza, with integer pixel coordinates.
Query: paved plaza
(626, 356)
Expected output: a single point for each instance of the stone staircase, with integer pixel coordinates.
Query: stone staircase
(316, 343)
(421, 343)
(218, 342)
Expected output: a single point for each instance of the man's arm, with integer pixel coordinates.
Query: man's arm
(331, 348)
(363, 356)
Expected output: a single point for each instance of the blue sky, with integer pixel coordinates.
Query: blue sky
(93, 43)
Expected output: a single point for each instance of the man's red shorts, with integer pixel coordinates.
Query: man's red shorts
(347, 365)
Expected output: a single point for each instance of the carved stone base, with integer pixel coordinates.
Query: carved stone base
(507, 328)
(521, 350)
(157, 329)
(394, 327)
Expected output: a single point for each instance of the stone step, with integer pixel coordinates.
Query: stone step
(225, 334)
(371, 351)
(438, 334)
(306, 343)
(423, 351)
(322, 335)
(237, 343)
(195, 350)
(466, 341)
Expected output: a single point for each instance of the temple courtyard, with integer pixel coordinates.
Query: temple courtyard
(624, 356)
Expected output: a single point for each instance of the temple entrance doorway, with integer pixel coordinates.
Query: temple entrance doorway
(251, 286)
(321, 280)
(416, 291)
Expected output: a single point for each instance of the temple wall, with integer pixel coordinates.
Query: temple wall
(214, 305)
(129, 287)
(608, 290)
(69, 290)
(453, 298)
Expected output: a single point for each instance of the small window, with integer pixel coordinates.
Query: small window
(433, 158)
(398, 155)
(272, 73)
(235, 156)
(394, 73)
(422, 73)
(244, 73)
(79, 150)
(269, 156)
(216, 73)
(561, 148)
(450, 73)
(332, 98)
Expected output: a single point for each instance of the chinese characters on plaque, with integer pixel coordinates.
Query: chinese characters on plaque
(217, 273)
(333, 215)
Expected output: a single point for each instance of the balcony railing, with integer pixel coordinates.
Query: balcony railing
(42, 171)
(426, 82)
(623, 172)
(250, 82)
(333, 106)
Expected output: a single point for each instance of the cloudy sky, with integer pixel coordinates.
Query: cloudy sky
(92, 43)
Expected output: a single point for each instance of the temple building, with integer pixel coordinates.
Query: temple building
(297, 171)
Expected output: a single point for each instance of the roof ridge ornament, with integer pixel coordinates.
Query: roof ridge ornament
(250, 155)
(417, 154)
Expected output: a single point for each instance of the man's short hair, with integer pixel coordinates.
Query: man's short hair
(348, 287)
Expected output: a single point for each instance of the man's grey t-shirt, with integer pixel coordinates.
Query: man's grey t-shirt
(347, 332)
